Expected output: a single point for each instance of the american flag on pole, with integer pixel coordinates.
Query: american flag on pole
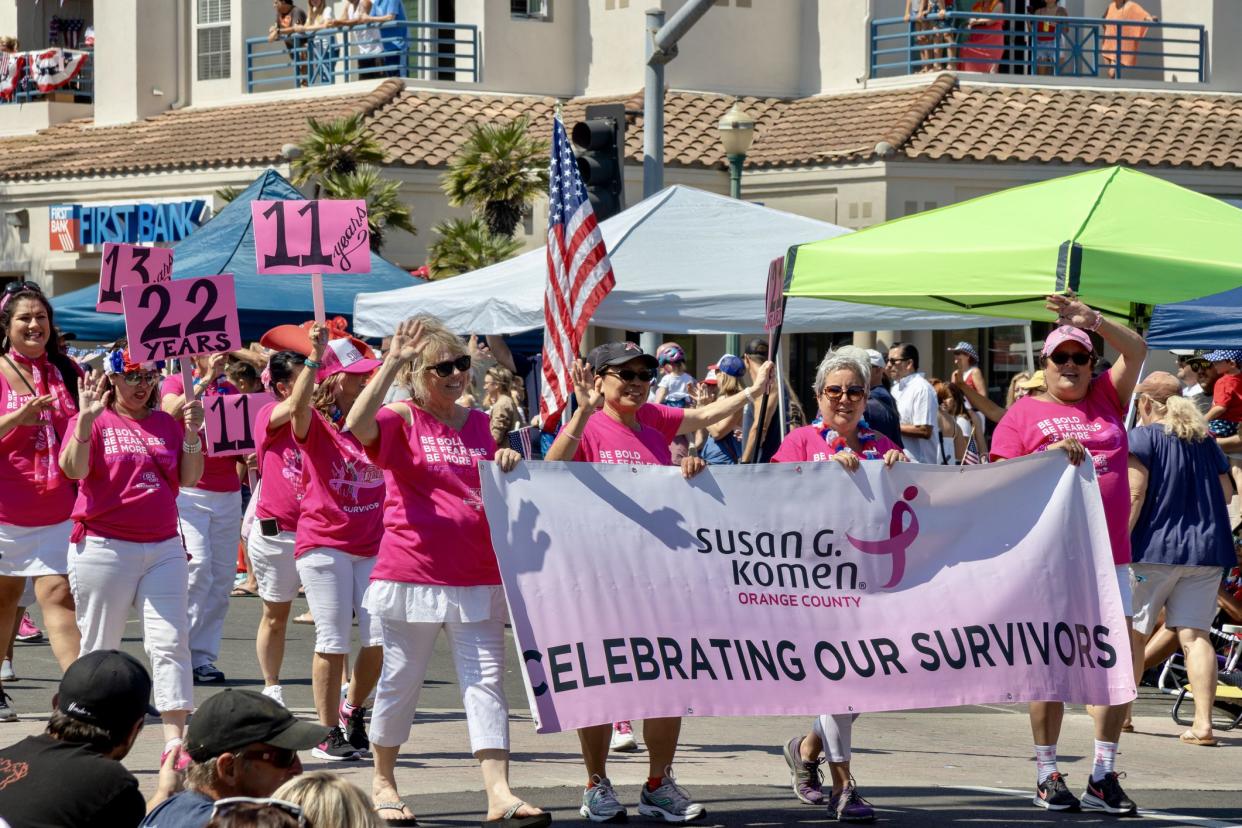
(523, 441)
(579, 275)
(971, 455)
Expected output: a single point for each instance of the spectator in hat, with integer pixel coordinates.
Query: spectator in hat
(240, 743)
(676, 386)
(1193, 372)
(881, 414)
(722, 446)
(1226, 410)
(966, 360)
(916, 403)
(762, 440)
(71, 774)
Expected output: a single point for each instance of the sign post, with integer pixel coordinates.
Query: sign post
(774, 318)
(311, 237)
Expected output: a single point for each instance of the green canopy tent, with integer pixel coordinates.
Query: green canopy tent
(1122, 240)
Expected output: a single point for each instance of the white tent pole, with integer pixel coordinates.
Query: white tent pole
(780, 395)
(1030, 348)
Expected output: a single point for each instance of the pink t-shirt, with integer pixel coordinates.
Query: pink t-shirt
(219, 473)
(280, 467)
(130, 491)
(809, 444)
(1098, 421)
(343, 502)
(435, 531)
(604, 440)
(23, 501)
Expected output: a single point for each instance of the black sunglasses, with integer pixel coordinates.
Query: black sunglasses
(445, 369)
(853, 393)
(629, 375)
(892, 361)
(1078, 357)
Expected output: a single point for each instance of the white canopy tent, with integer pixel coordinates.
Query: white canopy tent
(686, 262)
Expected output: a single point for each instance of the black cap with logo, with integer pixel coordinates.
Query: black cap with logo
(619, 353)
(106, 688)
(233, 719)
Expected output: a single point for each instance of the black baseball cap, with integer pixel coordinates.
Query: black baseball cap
(232, 719)
(106, 688)
(757, 347)
(619, 353)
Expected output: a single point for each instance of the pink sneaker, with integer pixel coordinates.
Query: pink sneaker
(27, 631)
(183, 759)
(623, 740)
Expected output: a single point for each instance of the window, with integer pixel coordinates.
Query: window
(534, 9)
(214, 34)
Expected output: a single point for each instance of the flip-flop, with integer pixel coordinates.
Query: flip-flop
(509, 820)
(395, 806)
(1190, 738)
(1127, 728)
(304, 618)
(242, 592)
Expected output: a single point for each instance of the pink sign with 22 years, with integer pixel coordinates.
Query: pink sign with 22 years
(311, 237)
(230, 421)
(184, 317)
(129, 264)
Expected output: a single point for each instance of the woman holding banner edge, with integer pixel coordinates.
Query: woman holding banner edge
(38, 395)
(1084, 417)
(842, 389)
(436, 567)
(616, 379)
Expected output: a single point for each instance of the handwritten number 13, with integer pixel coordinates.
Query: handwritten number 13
(282, 258)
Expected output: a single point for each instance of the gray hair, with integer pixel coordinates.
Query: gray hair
(836, 362)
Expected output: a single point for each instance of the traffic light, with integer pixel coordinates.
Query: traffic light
(600, 142)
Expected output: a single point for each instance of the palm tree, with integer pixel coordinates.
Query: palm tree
(465, 245)
(334, 148)
(227, 194)
(384, 206)
(498, 172)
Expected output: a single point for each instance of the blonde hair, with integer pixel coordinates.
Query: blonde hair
(727, 385)
(503, 378)
(1180, 417)
(1021, 376)
(327, 799)
(437, 339)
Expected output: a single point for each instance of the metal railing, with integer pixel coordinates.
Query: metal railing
(1033, 44)
(80, 89)
(407, 49)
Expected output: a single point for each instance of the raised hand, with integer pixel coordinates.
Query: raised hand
(215, 366)
(31, 411)
(1071, 311)
(763, 381)
(589, 397)
(407, 341)
(318, 340)
(94, 397)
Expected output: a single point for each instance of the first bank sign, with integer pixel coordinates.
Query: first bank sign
(76, 227)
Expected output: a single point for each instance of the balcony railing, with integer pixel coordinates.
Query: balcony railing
(408, 49)
(78, 89)
(1033, 44)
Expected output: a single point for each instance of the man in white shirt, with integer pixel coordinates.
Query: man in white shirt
(916, 404)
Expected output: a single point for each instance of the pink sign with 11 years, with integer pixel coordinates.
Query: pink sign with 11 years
(325, 236)
(129, 264)
(184, 317)
(230, 422)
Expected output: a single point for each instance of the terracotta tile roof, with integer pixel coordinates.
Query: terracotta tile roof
(219, 136)
(1091, 126)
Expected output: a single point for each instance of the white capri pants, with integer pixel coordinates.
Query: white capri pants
(108, 578)
(271, 558)
(837, 731)
(335, 584)
(211, 526)
(478, 648)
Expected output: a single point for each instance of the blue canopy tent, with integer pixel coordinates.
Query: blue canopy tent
(1206, 323)
(225, 244)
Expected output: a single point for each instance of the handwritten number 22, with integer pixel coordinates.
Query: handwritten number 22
(282, 257)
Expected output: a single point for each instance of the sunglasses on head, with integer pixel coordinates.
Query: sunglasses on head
(853, 393)
(224, 806)
(446, 368)
(140, 377)
(276, 757)
(20, 285)
(1078, 357)
(630, 375)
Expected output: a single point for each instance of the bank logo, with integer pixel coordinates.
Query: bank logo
(900, 536)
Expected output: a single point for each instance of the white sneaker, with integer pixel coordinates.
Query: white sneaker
(6, 671)
(275, 693)
(622, 740)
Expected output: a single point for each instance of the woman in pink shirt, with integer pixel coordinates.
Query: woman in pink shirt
(38, 395)
(436, 566)
(614, 424)
(278, 505)
(131, 459)
(338, 535)
(1084, 417)
(210, 516)
(841, 386)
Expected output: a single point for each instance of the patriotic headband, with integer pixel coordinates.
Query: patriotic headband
(118, 362)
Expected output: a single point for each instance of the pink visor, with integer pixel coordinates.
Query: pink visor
(1066, 333)
(343, 357)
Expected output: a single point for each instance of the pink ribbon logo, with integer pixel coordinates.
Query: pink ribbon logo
(899, 537)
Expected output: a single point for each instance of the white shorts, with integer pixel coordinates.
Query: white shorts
(273, 564)
(28, 551)
(335, 584)
(1123, 586)
(1187, 593)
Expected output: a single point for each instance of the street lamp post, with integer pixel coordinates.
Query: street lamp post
(737, 131)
